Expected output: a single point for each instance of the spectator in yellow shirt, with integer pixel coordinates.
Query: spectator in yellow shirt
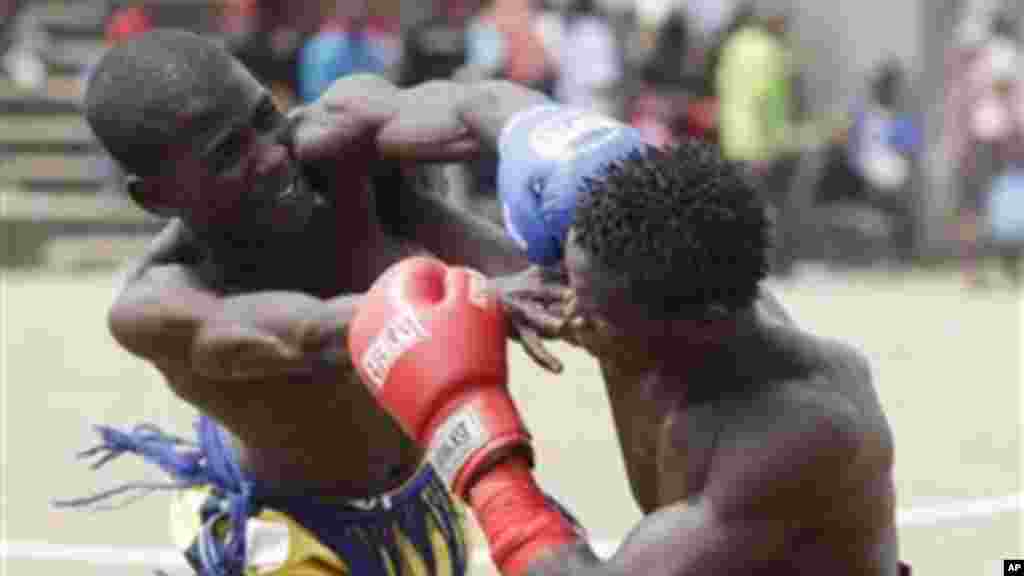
(753, 86)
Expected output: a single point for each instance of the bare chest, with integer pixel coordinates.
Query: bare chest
(666, 447)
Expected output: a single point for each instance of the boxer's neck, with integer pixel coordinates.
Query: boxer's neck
(689, 362)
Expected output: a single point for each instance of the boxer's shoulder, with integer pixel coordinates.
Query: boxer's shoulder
(803, 431)
(836, 408)
(822, 358)
(800, 383)
(838, 363)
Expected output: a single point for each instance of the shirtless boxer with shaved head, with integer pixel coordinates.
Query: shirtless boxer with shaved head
(278, 224)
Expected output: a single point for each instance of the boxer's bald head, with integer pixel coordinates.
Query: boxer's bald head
(666, 237)
(202, 139)
(163, 88)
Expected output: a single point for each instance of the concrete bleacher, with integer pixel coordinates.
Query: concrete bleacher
(55, 207)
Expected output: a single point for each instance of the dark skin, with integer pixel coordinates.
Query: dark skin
(751, 445)
(763, 449)
(262, 348)
(761, 446)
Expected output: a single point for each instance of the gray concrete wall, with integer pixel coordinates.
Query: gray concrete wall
(838, 42)
(413, 11)
(940, 192)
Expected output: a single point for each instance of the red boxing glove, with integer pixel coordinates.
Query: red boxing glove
(430, 343)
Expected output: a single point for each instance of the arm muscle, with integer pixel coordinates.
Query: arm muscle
(768, 487)
(168, 318)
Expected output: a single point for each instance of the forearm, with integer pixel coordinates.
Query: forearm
(409, 208)
(573, 560)
(486, 107)
(463, 238)
(420, 213)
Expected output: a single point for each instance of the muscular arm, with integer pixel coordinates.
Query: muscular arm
(487, 107)
(457, 236)
(681, 540)
(442, 121)
(802, 483)
(414, 130)
(164, 314)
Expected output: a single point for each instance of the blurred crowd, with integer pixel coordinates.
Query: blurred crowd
(722, 70)
(984, 128)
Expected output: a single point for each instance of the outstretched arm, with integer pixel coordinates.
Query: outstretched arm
(680, 540)
(410, 206)
(802, 479)
(414, 130)
(489, 106)
(449, 121)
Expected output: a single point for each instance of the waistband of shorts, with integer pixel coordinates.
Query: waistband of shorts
(351, 508)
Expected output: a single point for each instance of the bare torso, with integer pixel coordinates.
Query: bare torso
(309, 432)
(688, 450)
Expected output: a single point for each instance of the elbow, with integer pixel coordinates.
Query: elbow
(149, 328)
(117, 323)
(125, 325)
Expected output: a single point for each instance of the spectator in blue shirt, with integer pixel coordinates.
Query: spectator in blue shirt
(349, 42)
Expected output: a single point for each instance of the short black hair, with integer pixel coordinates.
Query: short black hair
(681, 229)
(141, 90)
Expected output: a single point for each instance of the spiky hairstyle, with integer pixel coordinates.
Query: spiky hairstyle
(681, 230)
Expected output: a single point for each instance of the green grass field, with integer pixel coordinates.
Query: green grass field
(947, 364)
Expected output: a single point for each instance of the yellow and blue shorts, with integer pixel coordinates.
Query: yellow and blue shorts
(416, 530)
(229, 524)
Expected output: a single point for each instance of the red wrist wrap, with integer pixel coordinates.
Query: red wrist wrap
(520, 524)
